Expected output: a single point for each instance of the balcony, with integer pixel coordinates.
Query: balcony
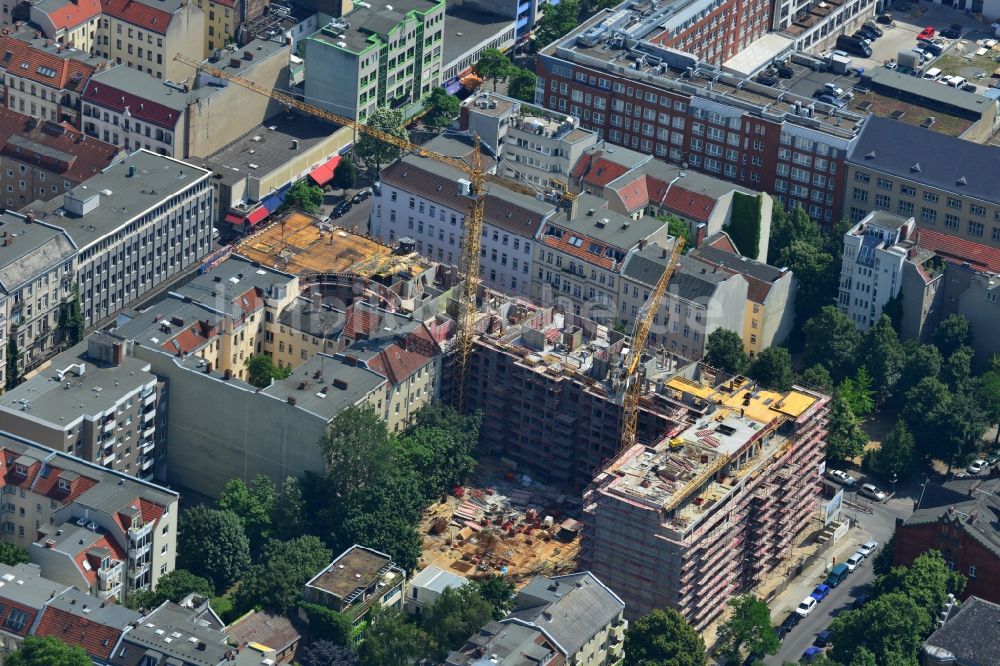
(109, 426)
(147, 433)
(146, 446)
(146, 462)
(108, 459)
(148, 416)
(149, 399)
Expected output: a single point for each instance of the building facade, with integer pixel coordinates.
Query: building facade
(358, 580)
(44, 84)
(871, 272)
(372, 57)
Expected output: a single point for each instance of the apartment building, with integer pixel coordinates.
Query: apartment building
(955, 518)
(135, 225)
(961, 638)
(40, 161)
(426, 202)
(546, 370)
(356, 581)
(76, 619)
(36, 275)
(94, 402)
(635, 184)
(871, 271)
(23, 600)
(126, 107)
(374, 56)
(707, 512)
(44, 82)
(72, 23)
(952, 194)
(147, 34)
(677, 107)
(580, 255)
(769, 311)
(700, 298)
(534, 147)
(222, 22)
(472, 27)
(61, 508)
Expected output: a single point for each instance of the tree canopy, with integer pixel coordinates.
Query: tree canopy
(845, 439)
(773, 369)
(305, 195)
(522, 85)
(897, 455)
(891, 627)
(375, 152)
(442, 108)
(494, 66)
(832, 340)
(788, 227)
(748, 628)
(345, 175)
(172, 586)
(325, 653)
(261, 370)
(499, 592)
(858, 393)
(253, 503)
(558, 21)
(663, 638)
(882, 356)
(953, 332)
(390, 640)
(211, 544)
(453, 617)
(724, 351)
(47, 651)
(12, 554)
(281, 572)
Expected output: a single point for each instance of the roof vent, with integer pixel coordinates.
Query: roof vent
(962, 181)
(870, 156)
(915, 168)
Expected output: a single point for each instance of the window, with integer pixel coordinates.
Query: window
(17, 618)
(884, 184)
(975, 228)
(907, 191)
(860, 194)
(861, 177)
(928, 215)
(905, 208)
(882, 200)
(954, 203)
(977, 210)
(930, 196)
(951, 221)
(972, 570)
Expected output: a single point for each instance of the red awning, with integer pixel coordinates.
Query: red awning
(323, 174)
(234, 219)
(257, 215)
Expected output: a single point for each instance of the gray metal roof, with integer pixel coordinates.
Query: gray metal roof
(259, 50)
(971, 636)
(231, 279)
(608, 227)
(931, 158)
(694, 281)
(976, 511)
(513, 644)
(175, 631)
(645, 266)
(319, 395)
(147, 327)
(966, 103)
(569, 609)
(738, 263)
(97, 390)
(157, 178)
(466, 28)
(150, 88)
(25, 585)
(29, 250)
(437, 579)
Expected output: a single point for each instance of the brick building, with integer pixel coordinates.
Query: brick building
(958, 518)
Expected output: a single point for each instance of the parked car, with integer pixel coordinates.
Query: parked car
(811, 653)
(885, 19)
(970, 87)
(841, 477)
(806, 606)
(785, 627)
(930, 47)
(976, 466)
(822, 639)
(785, 72)
(361, 196)
(954, 32)
(927, 32)
(867, 548)
(341, 209)
(870, 490)
(837, 575)
(821, 592)
(871, 27)
(766, 80)
(832, 101)
(993, 459)
(859, 601)
(853, 561)
(863, 37)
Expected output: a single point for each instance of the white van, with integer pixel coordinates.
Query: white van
(932, 74)
(956, 81)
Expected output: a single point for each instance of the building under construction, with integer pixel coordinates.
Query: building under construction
(705, 513)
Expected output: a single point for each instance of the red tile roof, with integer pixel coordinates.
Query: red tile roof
(360, 322)
(582, 252)
(151, 511)
(72, 14)
(981, 257)
(581, 167)
(635, 194)
(28, 140)
(692, 205)
(138, 14)
(722, 241)
(98, 640)
(46, 485)
(8, 605)
(403, 358)
(139, 108)
(249, 301)
(602, 171)
(189, 339)
(23, 60)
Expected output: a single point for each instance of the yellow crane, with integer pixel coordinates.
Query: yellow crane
(473, 227)
(633, 382)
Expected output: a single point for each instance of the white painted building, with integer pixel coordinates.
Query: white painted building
(871, 272)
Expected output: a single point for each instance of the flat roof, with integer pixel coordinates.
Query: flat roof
(258, 50)
(62, 396)
(157, 178)
(758, 54)
(970, 103)
(147, 87)
(356, 567)
(467, 28)
(271, 143)
(326, 385)
(619, 231)
(437, 579)
(363, 26)
(24, 584)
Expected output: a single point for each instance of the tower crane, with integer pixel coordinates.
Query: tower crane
(473, 228)
(633, 382)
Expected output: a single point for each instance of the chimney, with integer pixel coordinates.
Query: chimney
(234, 63)
(247, 55)
(29, 218)
(209, 367)
(292, 400)
(228, 374)
(131, 170)
(574, 208)
(295, 144)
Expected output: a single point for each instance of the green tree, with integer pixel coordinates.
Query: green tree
(13, 356)
(357, 449)
(305, 195)
(724, 351)
(893, 309)
(375, 152)
(832, 340)
(920, 361)
(882, 564)
(744, 224)
(882, 356)
(957, 370)
(928, 582)
(858, 392)
(845, 439)
(288, 511)
(328, 625)
(663, 638)
(499, 592)
(47, 651)
(678, 228)
(953, 332)
(284, 567)
(211, 544)
(172, 586)
(11, 554)
(389, 639)
(987, 391)
(818, 377)
(453, 617)
(788, 227)
(748, 628)
(261, 370)
(963, 426)
(891, 627)
(773, 369)
(898, 454)
(924, 412)
(863, 657)
(345, 176)
(494, 66)
(71, 323)
(253, 503)
(522, 85)
(326, 653)
(558, 20)
(439, 449)
(442, 108)
(814, 274)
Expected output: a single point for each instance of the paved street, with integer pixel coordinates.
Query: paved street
(879, 527)
(356, 219)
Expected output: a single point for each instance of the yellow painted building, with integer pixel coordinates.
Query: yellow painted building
(222, 18)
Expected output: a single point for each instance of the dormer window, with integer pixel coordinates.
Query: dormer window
(21, 469)
(64, 485)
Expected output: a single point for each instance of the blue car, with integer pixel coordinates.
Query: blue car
(811, 653)
(821, 592)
